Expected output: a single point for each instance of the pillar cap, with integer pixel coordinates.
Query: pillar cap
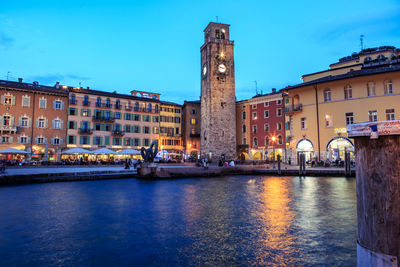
(374, 129)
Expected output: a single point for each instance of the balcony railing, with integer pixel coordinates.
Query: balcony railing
(8, 129)
(101, 118)
(294, 108)
(129, 108)
(73, 101)
(118, 133)
(195, 135)
(242, 147)
(146, 110)
(85, 131)
(86, 103)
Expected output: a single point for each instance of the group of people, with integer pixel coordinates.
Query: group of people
(129, 163)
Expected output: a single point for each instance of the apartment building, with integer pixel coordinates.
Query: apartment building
(33, 118)
(191, 128)
(171, 127)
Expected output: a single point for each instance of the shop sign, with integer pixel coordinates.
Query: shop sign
(340, 130)
(378, 128)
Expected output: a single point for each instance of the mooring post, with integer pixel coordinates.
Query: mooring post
(347, 170)
(377, 148)
(279, 164)
(302, 167)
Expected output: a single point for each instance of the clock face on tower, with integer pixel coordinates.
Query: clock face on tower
(221, 68)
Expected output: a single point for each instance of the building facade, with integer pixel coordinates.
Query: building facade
(359, 88)
(191, 127)
(218, 113)
(99, 119)
(33, 118)
(171, 128)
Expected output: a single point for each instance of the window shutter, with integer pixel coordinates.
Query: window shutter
(13, 100)
(28, 140)
(61, 141)
(88, 125)
(81, 125)
(46, 123)
(101, 140)
(3, 99)
(10, 139)
(106, 140)
(62, 124)
(75, 124)
(30, 122)
(53, 124)
(54, 104)
(89, 112)
(94, 140)
(37, 124)
(20, 121)
(52, 141)
(36, 140)
(81, 140)
(82, 112)
(45, 140)
(19, 140)
(62, 106)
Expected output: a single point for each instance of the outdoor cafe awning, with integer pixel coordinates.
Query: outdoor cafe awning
(105, 151)
(77, 150)
(13, 151)
(129, 151)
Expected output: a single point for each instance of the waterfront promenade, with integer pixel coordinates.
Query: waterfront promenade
(39, 174)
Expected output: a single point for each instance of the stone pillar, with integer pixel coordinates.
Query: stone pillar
(377, 147)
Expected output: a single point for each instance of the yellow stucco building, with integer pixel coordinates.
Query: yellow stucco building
(171, 130)
(362, 87)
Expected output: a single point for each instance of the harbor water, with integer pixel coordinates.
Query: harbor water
(234, 221)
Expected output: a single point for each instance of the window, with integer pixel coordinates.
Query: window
(56, 141)
(71, 125)
(243, 128)
(98, 102)
(71, 139)
(86, 100)
(85, 113)
(58, 104)
(42, 102)
(349, 118)
(146, 129)
(328, 121)
(40, 140)
(8, 99)
(280, 140)
(193, 121)
(279, 126)
(108, 103)
(244, 140)
(390, 116)
(72, 111)
(254, 106)
(118, 115)
(303, 124)
(266, 113)
(348, 93)
(279, 112)
(146, 142)
(118, 104)
(127, 116)
(41, 123)
(371, 89)
(193, 111)
(136, 107)
(254, 116)
(97, 140)
(136, 117)
(255, 141)
(146, 118)
(177, 119)
(266, 104)
(148, 107)
(266, 140)
(373, 115)
(266, 127)
(254, 128)
(26, 101)
(24, 122)
(57, 124)
(279, 102)
(387, 87)
(72, 99)
(156, 109)
(84, 140)
(97, 127)
(24, 140)
(243, 115)
(327, 95)
(5, 139)
(193, 131)
(136, 129)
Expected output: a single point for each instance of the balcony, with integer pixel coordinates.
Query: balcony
(243, 148)
(105, 119)
(117, 106)
(73, 102)
(8, 129)
(128, 108)
(118, 133)
(294, 108)
(85, 131)
(86, 103)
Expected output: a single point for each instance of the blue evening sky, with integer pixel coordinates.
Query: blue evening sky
(155, 45)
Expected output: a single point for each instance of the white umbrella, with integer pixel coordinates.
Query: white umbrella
(105, 151)
(77, 150)
(129, 151)
(13, 151)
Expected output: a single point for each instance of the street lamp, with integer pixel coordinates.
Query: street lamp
(273, 150)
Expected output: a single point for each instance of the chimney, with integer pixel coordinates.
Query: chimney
(273, 90)
(88, 88)
(57, 85)
(20, 80)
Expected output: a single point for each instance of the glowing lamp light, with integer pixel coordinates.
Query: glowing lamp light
(222, 54)
(273, 138)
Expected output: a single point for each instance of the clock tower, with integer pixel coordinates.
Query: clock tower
(218, 113)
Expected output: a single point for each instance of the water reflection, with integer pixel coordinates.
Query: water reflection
(239, 220)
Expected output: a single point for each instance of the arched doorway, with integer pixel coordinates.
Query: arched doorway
(337, 146)
(257, 156)
(244, 156)
(305, 147)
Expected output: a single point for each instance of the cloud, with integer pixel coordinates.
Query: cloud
(5, 40)
(50, 79)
